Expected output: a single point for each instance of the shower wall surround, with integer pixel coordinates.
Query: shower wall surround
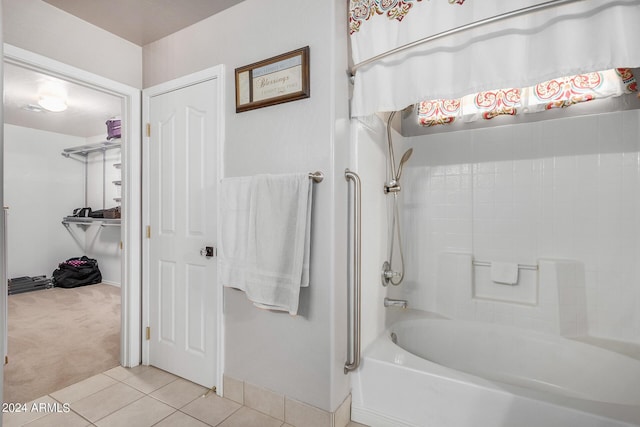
(565, 189)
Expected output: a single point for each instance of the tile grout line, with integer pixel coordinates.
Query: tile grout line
(183, 413)
(71, 409)
(177, 409)
(231, 414)
(144, 394)
(119, 409)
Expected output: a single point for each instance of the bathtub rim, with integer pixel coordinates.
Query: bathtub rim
(385, 352)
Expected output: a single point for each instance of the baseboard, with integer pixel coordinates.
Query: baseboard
(106, 282)
(283, 408)
(376, 419)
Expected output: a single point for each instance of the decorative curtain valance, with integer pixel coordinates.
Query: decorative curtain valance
(560, 92)
(518, 52)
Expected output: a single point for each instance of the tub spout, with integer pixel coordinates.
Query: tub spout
(390, 302)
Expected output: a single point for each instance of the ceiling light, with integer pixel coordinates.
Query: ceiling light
(53, 103)
(33, 108)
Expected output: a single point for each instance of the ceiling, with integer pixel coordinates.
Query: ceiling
(88, 109)
(139, 21)
(143, 21)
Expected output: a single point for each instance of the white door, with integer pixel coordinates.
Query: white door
(183, 221)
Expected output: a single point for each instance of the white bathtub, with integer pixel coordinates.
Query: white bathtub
(450, 373)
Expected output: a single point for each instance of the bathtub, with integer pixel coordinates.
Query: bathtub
(451, 373)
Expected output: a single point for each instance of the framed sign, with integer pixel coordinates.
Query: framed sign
(282, 78)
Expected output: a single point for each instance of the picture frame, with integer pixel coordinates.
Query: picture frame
(272, 81)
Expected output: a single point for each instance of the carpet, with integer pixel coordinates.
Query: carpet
(58, 337)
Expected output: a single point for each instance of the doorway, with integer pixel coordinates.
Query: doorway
(183, 165)
(129, 98)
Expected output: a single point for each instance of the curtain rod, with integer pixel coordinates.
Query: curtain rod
(460, 29)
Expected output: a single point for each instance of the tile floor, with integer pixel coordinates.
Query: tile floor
(138, 397)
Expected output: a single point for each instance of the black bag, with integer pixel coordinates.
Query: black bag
(76, 272)
(82, 212)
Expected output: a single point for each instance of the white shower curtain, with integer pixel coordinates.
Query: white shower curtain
(579, 37)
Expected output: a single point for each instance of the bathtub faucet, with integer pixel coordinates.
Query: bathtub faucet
(390, 302)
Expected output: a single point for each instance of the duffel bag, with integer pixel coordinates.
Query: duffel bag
(76, 272)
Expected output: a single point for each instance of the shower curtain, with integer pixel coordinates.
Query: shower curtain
(578, 37)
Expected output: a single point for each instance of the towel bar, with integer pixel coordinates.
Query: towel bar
(520, 266)
(316, 176)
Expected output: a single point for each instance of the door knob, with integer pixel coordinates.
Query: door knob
(208, 251)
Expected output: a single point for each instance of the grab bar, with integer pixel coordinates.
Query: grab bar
(355, 353)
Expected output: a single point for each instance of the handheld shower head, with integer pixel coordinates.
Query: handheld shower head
(407, 154)
(393, 186)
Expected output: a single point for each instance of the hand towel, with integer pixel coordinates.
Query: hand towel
(504, 272)
(233, 245)
(265, 248)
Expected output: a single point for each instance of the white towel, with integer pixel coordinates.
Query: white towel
(504, 272)
(233, 245)
(265, 249)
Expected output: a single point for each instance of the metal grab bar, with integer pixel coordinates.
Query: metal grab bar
(355, 350)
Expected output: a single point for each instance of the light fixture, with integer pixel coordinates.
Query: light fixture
(32, 108)
(52, 95)
(52, 103)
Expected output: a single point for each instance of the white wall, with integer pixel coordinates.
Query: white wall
(303, 356)
(41, 187)
(101, 174)
(44, 29)
(103, 243)
(557, 189)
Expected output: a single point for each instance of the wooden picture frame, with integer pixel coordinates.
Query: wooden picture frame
(283, 78)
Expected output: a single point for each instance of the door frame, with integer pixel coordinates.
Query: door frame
(131, 234)
(213, 73)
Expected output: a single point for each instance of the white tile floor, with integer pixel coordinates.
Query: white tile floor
(137, 397)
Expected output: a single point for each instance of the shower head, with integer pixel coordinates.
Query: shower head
(403, 160)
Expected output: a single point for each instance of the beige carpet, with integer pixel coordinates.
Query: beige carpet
(58, 337)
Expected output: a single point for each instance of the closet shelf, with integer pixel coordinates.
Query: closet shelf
(84, 150)
(103, 222)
